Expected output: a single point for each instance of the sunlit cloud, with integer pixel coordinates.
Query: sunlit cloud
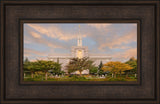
(35, 35)
(38, 28)
(116, 42)
(28, 52)
(42, 41)
(54, 32)
(126, 54)
(100, 26)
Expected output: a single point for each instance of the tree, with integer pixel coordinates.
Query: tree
(93, 70)
(133, 63)
(45, 66)
(79, 64)
(116, 67)
(111, 66)
(132, 59)
(57, 68)
(100, 71)
(100, 66)
(26, 64)
(31, 66)
(26, 60)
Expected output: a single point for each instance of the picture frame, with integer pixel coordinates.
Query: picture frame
(15, 91)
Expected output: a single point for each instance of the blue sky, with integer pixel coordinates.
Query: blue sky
(118, 40)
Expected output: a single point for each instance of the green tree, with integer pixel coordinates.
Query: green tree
(132, 59)
(93, 70)
(31, 66)
(100, 71)
(133, 63)
(45, 66)
(26, 64)
(57, 68)
(100, 66)
(79, 64)
(26, 60)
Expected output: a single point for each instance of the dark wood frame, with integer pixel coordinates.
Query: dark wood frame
(156, 100)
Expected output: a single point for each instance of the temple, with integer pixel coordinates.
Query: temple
(80, 52)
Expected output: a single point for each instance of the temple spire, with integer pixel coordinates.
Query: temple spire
(79, 40)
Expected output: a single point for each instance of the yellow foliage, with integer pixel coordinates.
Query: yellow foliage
(116, 67)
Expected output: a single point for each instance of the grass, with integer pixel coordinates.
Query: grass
(81, 78)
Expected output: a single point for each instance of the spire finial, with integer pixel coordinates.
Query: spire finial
(79, 41)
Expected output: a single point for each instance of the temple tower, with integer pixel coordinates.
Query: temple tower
(79, 50)
(79, 40)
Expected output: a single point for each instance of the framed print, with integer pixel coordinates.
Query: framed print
(80, 52)
(74, 58)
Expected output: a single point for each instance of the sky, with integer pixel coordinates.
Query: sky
(118, 40)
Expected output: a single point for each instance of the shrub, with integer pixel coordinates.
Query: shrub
(116, 79)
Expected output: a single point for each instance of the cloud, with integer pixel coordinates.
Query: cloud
(117, 41)
(54, 32)
(36, 38)
(126, 54)
(35, 35)
(99, 26)
(27, 41)
(38, 28)
(34, 55)
(29, 52)
(122, 47)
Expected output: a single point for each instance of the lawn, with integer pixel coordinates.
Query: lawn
(81, 78)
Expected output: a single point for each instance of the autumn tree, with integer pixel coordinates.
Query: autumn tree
(79, 64)
(116, 67)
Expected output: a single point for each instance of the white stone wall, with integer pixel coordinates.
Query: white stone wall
(64, 60)
(98, 61)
